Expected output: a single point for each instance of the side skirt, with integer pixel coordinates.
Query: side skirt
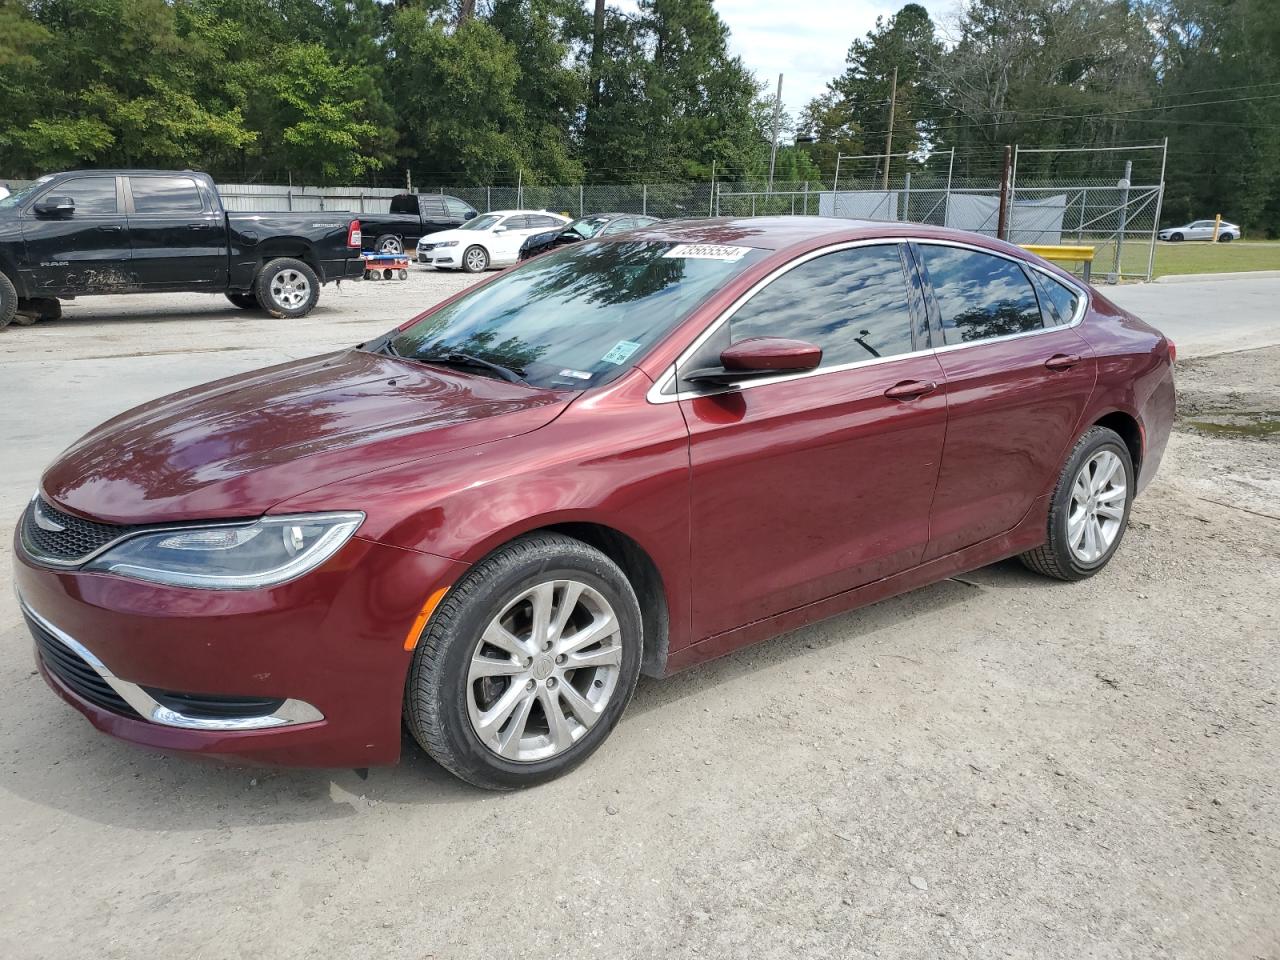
(1026, 535)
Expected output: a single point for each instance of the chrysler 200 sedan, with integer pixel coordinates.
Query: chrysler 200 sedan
(624, 457)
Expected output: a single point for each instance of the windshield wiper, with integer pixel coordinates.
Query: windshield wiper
(455, 358)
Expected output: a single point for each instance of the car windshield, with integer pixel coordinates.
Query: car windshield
(18, 196)
(587, 227)
(480, 223)
(577, 317)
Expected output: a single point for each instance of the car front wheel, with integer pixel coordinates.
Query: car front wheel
(1175, 237)
(527, 664)
(1089, 510)
(475, 260)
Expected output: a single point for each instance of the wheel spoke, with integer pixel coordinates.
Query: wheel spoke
(1112, 494)
(568, 603)
(1080, 492)
(594, 632)
(586, 711)
(492, 719)
(482, 666)
(509, 742)
(1091, 539)
(600, 657)
(542, 597)
(1075, 528)
(557, 722)
(1111, 511)
(1106, 469)
(499, 636)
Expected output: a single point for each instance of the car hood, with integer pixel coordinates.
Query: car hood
(237, 447)
(458, 235)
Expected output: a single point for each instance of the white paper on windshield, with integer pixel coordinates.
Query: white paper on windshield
(706, 251)
(620, 352)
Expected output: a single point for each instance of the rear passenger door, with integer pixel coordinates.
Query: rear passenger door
(178, 234)
(807, 485)
(86, 250)
(1018, 381)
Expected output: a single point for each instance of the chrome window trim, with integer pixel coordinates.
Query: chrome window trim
(289, 713)
(655, 394)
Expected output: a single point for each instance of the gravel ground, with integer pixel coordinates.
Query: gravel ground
(997, 765)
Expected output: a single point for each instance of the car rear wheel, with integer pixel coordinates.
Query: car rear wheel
(475, 260)
(287, 288)
(1225, 238)
(1089, 510)
(389, 243)
(245, 301)
(527, 664)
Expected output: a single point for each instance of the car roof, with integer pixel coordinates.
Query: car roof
(509, 213)
(779, 233)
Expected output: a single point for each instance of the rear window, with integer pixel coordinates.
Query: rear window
(404, 203)
(578, 317)
(981, 296)
(1060, 300)
(165, 195)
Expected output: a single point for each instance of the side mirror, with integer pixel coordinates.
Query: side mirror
(55, 207)
(469, 215)
(760, 357)
(499, 229)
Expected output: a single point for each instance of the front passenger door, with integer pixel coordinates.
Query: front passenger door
(808, 485)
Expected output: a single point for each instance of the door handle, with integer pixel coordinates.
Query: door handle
(111, 228)
(201, 226)
(910, 389)
(1062, 361)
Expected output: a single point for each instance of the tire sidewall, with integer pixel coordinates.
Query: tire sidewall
(377, 244)
(464, 631)
(8, 301)
(262, 288)
(1097, 438)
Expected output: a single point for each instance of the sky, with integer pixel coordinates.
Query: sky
(806, 40)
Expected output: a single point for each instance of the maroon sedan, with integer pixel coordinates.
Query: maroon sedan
(625, 457)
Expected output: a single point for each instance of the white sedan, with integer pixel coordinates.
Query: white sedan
(1201, 230)
(489, 240)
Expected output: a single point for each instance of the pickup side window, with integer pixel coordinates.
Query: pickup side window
(94, 196)
(431, 206)
(404, 203)
(166, 195)
(457, 208)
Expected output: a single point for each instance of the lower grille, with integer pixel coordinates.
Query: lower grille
(77, 675)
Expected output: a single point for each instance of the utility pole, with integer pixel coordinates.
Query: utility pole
(888, 141)
(773, 153)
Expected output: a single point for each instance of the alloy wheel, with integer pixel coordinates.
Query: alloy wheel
(290, 289)
(544, 671)
(475, 259)
(1098, 496)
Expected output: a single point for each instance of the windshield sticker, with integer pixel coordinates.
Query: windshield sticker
(706, 251)
(576, 374)
(620, 352)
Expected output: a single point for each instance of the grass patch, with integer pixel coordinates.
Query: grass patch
(1240, 256)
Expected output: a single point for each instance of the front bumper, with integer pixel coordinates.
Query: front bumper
(326, 652)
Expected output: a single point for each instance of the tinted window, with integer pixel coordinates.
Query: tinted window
(622, 223)
(515, 223)
(543, 222)
(165, 195)
(432, 206)
(980, 295)
(1060, 301)
(457, 207)
(404, 203)
(853, 304)
(93, 195)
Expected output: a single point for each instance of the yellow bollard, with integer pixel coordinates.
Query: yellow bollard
(1217, 225)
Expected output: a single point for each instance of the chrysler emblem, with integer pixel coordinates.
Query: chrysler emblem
(44, 522)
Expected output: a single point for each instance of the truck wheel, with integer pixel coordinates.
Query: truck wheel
(287, 288)
(475, 260)
(8, 301)
(36, 309)
(388, 243)
(245, 301)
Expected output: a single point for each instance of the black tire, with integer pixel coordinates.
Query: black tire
(8, 301)
(280, 307)
(1054, 558)
(373, 275)
(245, 301)
(1175, 238)
(403, 274)
(475, 264)
(388, 243)
(37, 310)
(436, 705)
(1225, 238)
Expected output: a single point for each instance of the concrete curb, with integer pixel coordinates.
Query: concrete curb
(1198, 277)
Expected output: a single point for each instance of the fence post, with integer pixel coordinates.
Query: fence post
(1002, 220)
(488, 199)
(644, 199)
(906, 197)
(582, 210)
(806, 198)
(1084, 207)
(290, 198)
(1124, 218)
(1155, 227)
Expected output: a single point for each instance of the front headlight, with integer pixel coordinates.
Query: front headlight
(447, 243)
(231, 556)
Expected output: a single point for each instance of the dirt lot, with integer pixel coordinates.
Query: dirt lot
(998, 765)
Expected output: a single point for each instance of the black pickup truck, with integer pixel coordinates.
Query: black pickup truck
(413, 215)
(140, 231)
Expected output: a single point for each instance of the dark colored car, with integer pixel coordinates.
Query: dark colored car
(628, 456)
(413, 215)
(145, 231)
(584, 228)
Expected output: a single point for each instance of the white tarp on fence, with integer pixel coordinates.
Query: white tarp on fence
(277, 197)
(859, 204)
(1030, 221)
